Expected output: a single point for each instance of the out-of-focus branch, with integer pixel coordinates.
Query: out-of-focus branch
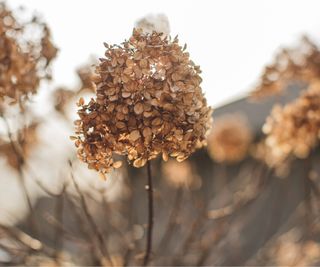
(171, 225)
(23, 238)
(99, 237)
(20, 158)
(193, 231)
(58, 236)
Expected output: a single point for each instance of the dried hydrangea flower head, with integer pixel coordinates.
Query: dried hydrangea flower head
(23, 62)
(301, 63)
(180, 175)
(293, 249)
(294, 130)
(229, 139)
(154, 22)
(63, 96)
(86, 75)
(26, 138)
(264, 153)
(148, 102)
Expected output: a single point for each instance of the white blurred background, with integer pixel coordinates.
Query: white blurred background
(231, 40)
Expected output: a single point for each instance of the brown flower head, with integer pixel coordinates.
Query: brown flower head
(148, 102)
(293, 249)
(180, 174)
(62, 97)
(301, 63)
(23, 62)
(16, 150)
(294, 130)
(86, 74)
(154, 22)
(264, 153)
(229, 139)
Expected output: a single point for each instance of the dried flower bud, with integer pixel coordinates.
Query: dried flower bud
(148, 102)
(229, 139)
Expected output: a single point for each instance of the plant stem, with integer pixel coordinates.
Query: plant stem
(149, 189)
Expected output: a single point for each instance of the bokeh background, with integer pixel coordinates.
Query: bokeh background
(208, 211)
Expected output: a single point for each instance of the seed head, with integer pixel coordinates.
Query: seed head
(148, 102)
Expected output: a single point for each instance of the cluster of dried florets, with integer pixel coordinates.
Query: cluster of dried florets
(148, 102)
(17, 149)
(154, 22)
(290, 249)
(62, 95)
(298, 64)
(23, 62)
(86, 75)
(229, 139)
(181, 175)
(293, 130)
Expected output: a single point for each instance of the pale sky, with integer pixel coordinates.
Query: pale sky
(230, 39)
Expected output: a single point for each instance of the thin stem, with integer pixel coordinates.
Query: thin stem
(149, 189)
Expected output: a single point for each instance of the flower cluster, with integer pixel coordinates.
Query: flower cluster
(154, 22)
(294, 130)
(16, 150)
(148, 102)
(181, 175)
(62, 95)
(86, 74)
(293, 249)
(23, 62)
(229, 139)
(297, 64)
